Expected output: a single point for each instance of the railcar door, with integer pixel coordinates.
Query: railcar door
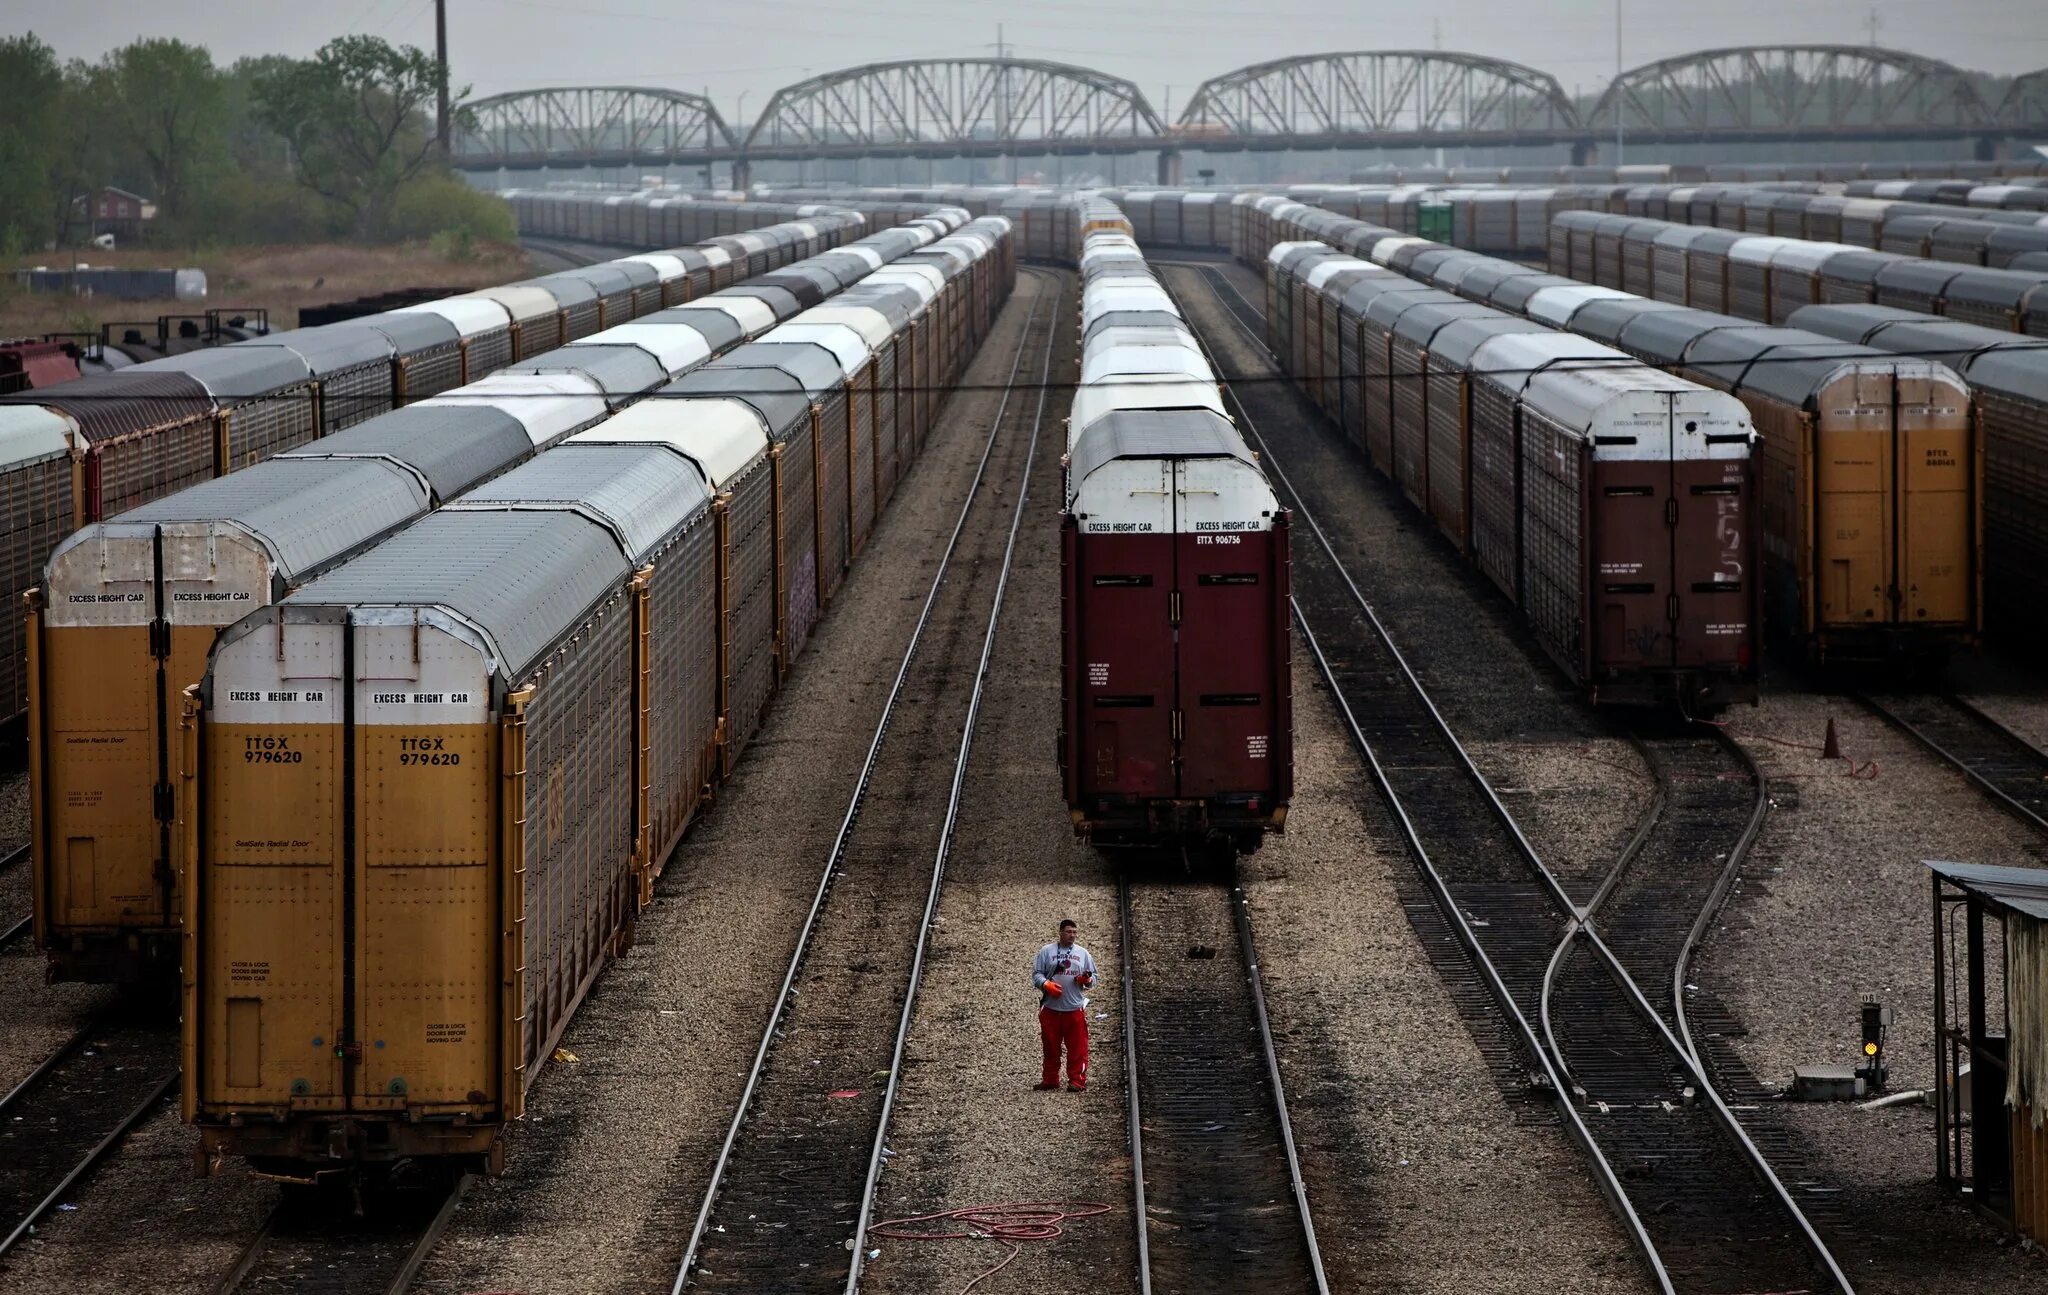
(1123, 592)
(1225, 707)
(1710, 555)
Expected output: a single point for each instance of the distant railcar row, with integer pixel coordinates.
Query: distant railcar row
(1176, 713)
(423, 795)
(1768, 276)
(129, 606)
(1610, 502)
(1868, 476)
(1990, 326)
(105, 443)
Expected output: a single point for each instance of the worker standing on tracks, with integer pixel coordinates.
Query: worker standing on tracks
(1062, 971)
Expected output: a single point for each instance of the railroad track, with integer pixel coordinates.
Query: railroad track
(792, 1190)
(1702, 1202)
(572, 254)
(326, 1241)
(1216, 1183)
(18, 928)
(59, 1122)
(2012, 771)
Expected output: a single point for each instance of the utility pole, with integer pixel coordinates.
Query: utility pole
(441, 61)
(1617, 80)
(1872, 23)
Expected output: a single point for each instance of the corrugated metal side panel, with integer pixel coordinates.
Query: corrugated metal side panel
(1409, 393)
(1445, 449)
(684, 689)
(799, 543)
(136, 470)
(354, 395)
(861, 466)
(1553, 564)
(35, 516)
(1494, 498)
(834, 474)
(890, 452)
(261, 428)
(2015, 524)
(752, 591)
(580, 799)
(431, 372)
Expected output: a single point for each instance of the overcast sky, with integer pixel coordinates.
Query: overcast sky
(753, 46)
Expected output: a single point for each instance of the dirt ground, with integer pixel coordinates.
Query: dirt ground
(281, 280)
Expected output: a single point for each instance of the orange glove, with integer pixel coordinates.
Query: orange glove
(1052, 989)
(1085, 979)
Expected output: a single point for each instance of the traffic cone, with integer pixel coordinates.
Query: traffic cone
(1831, 746)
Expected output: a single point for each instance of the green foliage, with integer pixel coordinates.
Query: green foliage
(268, 150)
(357, 116)
(453, 215)
(31, 86)
(163, 105)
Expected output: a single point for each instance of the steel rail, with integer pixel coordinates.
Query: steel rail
(1737, 855)
(835, 856)
(97, 1152)
(1134, 1113)
(1578, 922)
(953, 798)
(402, 1278)
(416, 1258)
(1974, 715)
(18, 928)
(1299, 1184)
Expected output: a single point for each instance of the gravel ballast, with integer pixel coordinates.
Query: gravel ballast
(1833, 908)
(969, 1129)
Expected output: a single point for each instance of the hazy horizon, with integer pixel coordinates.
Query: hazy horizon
(1167, 49)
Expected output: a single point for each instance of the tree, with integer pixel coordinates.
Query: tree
(31, 90)
(166, 104)
(357, 117)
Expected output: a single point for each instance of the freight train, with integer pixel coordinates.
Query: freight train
(130, 606)
(1176, 696)
(424, 794)
(1768, 276)
(2008, 377)
(104, 443)
(1611, 503)
(1869, 468)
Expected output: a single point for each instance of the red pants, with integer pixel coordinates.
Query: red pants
(1070, 1029)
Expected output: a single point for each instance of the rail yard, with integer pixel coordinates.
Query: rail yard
(1502, 686)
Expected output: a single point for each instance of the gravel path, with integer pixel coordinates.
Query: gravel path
(968, 1128)
(1831, 909)
(1422, 1178)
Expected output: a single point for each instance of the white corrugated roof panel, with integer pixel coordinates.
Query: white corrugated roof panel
(871, 324)
(30, 432)
(470, 315)
(678, 347)
(547, 405)
(723, 437)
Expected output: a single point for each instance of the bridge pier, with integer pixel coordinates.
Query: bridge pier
(742, 174)
(1585, 152)
(1169, 168)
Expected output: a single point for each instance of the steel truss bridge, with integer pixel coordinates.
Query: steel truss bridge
(1009, 107)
